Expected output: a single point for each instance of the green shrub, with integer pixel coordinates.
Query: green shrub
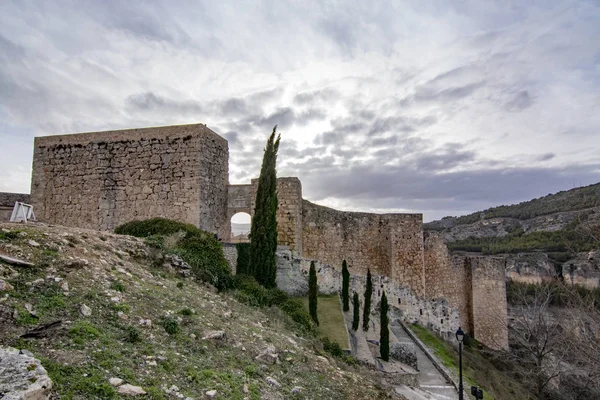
(196, 247)
(171, 325)
(252, 293)
(9, 235)
(186, 311)
(155, 241)
(82, 331)
(133, 334)
(154, 226)
(118, 286)
(332, 348)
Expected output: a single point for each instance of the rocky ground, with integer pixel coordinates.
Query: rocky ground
(110, 318)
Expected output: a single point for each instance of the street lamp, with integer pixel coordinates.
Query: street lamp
(460, 336)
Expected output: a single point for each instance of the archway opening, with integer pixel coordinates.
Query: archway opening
(240, 227)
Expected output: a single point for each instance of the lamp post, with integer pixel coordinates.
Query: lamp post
(460, 335)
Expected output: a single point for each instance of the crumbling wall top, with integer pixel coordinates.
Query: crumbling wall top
(175, 131)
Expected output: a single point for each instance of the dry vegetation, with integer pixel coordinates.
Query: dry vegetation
(147, 325)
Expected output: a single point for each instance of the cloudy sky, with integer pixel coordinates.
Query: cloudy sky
(440, 107)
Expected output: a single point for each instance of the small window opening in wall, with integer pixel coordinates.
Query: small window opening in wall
(379, 293)
(399, 301)
(441, 321)
(421, 311)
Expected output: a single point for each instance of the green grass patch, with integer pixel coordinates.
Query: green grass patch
(331, 319)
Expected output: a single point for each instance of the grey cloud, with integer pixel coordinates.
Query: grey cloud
(10, 51)
(283, 117)
(400, 124)
(233, 138)
(340, 31)
(519, 102)
(449, 94)
(323, 95)
(404, 188)
(336, 138)
(443, 161)
(384, 142)
(148, 101)
(546, 157)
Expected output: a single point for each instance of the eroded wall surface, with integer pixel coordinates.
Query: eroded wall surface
(102, 179)
(489, 301)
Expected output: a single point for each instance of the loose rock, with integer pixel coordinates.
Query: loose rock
(272, 382)
(5, 286)
(85, 310)
(211, 393)
(268, 355)
(214, 335)
(22, 376)
(115, 381)
(130, 390)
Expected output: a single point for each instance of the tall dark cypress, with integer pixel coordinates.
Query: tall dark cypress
(345, 285)
(356, 315)
(367, 307)
(384, 332)
(312, 293)
(263, 231)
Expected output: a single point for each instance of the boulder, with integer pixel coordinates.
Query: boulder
(22, 376)
(214, 335)
(130, 390)
(406, 353)
(268, 355)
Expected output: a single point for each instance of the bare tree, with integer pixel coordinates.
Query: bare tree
(537, 337)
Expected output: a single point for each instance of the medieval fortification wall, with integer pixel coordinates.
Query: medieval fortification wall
(103, 179)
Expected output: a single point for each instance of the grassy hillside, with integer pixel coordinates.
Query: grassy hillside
(568, 200)
(124, 311)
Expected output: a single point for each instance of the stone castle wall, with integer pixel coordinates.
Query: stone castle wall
(473, 285)
(100, 180)
(490, 322)
(103, 179)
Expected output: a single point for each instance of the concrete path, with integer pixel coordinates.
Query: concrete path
(430, 379)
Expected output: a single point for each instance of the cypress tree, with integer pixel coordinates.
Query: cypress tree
(356, 316)
(367, 307)
(312, 293)
(263, 232)
(345, 285)
(384, 332)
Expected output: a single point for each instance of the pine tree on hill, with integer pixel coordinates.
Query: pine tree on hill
(356, 315)
(312, 293)
(263, 232)
(345, 286)
(367, 306)
(384, 332)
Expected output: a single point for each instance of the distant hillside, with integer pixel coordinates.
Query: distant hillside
(568, 200)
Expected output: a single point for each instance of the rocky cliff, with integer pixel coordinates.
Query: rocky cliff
(553, 236)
